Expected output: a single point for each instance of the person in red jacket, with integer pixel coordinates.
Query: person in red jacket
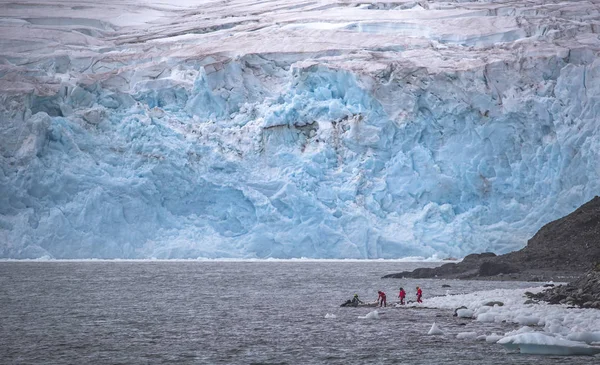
(419, 295)
(381, 299)
(402, 295)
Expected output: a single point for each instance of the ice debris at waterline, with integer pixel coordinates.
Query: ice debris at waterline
(435, 330)
(288, 129)
(330, 316)
(551, 329)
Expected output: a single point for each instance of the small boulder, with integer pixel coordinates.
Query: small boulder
(491, 304)
(556, 298)
(586, 298)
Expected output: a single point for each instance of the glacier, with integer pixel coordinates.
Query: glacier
(288, 129)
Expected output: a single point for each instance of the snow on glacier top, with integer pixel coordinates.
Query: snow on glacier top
(289, 128)
(434, 35)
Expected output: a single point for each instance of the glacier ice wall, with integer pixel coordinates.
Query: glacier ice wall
(296, 154)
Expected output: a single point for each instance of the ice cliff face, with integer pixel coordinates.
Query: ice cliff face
(326, 129)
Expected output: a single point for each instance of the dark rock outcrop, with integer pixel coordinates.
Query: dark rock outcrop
(561, 250)
(469, 266)
(490, 268)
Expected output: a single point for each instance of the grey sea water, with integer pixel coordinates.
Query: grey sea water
(204, 312)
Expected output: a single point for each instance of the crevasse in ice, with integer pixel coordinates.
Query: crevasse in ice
(297, 155)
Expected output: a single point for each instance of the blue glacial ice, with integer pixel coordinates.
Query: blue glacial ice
(318, 168)
(271, 155)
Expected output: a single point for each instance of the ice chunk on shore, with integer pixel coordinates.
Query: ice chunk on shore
(587, 337)
(527, 320)
(493, 338)
(486, 317)
(435, 330)
(525, 329)
(541, 344)
(465, 313)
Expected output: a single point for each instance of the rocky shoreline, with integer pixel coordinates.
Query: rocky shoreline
(583, 292)
(565, 250)
(488, 266)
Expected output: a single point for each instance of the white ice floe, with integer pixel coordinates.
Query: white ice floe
(435, 330)
(466, 335)
(545, 344)
(330, 316)
(371, 315)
